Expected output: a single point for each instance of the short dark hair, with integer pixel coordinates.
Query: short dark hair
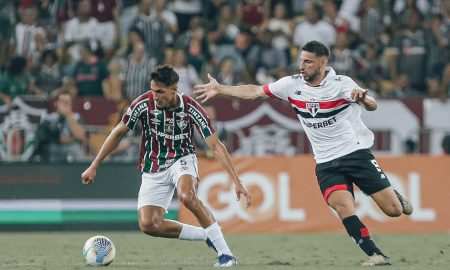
(317, 48)
(165, 74)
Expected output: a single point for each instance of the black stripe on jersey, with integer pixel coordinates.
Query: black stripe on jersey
(320, 115)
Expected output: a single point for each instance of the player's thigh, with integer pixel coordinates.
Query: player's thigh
(184, 174)
(330, 180)
(156, 190)
(367, 175)
(343, 202)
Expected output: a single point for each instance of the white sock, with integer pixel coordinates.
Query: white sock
(189, 232)
(214, 234)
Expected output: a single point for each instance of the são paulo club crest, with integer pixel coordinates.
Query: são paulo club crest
(313, 108)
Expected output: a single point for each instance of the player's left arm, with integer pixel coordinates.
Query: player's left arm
(362, 98)
(222, 155)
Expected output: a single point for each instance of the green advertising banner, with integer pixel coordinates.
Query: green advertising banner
(52, 196)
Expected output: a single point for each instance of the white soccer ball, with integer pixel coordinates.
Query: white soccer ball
(99, 250)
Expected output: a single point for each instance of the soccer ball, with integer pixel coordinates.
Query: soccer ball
(99, 250)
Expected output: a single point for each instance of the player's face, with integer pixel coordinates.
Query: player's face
(165, 96)
(310, 66)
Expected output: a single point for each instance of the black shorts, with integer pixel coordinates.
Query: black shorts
(359, 168)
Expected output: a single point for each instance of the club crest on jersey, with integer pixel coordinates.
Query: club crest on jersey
(181, 123)
(313, 108)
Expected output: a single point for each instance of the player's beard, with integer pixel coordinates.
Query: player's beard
(311, 77)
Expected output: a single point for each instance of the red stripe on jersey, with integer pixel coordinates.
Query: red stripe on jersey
(364, 232)
(323, 105)
(328, 191)
(267, 91)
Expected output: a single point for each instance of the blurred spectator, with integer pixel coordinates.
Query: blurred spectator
(134, 73)
(446, 80)
(264, 60)
(7, 26)
(16, 81)
(107, 14)
(371, 21)
(314, 28)
(30, 38)
(90, 74)
(81, 28)
(60, 136)
(128, 9)
(48, 19)
(188, 75)
(134, 36)
(446, 144)
(224, 29)
(281, 27)
(65, 9)
(48, 75)
(252, 13)
(160, 10)
(201, 148)
(227, 73)
(342, 59)
(185, 10)
(238, 52)
(197, 43)
(411, 48)
(370, 70)
(403, 8)
(153, 29)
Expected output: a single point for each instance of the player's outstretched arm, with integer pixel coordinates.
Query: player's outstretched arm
(360, 96)
(222, 155)
(204, 92)
(87, 177)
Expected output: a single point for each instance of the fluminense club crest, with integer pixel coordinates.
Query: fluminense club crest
(313, 108)
(181, 124)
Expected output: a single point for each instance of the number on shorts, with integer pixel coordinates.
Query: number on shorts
(375, 164)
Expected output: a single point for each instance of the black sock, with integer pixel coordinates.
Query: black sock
(360, 234)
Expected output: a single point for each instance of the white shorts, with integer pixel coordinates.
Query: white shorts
(157, 188)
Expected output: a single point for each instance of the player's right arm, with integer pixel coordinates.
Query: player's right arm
(204, 92)
(108, 146)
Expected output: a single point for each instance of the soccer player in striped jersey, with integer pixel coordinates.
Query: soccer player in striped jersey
(168, 161)
(329, 107)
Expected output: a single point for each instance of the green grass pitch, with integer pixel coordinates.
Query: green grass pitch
(134, 250)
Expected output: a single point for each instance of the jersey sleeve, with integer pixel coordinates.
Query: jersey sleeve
(135, 111)
(279, 89)
(348, 86)
(201, 120)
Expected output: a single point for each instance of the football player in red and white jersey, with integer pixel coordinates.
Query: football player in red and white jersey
(329, 107)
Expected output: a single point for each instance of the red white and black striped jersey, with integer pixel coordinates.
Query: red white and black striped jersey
(166, 135)
(329, 116)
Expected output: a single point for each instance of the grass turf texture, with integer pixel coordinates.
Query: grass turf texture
(134, 250)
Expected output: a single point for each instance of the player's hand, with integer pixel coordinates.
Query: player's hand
(87, 177)
(240, 189)
(359, 94)
(204, 92)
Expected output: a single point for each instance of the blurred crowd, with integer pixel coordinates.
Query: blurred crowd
(396, 48)
(48, 48)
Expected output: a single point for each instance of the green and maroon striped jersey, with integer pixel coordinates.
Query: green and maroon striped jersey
(166, 135)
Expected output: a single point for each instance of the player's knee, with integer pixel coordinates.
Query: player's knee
(394, 210)
(343, 210)
(188, 199)
(150, 227)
